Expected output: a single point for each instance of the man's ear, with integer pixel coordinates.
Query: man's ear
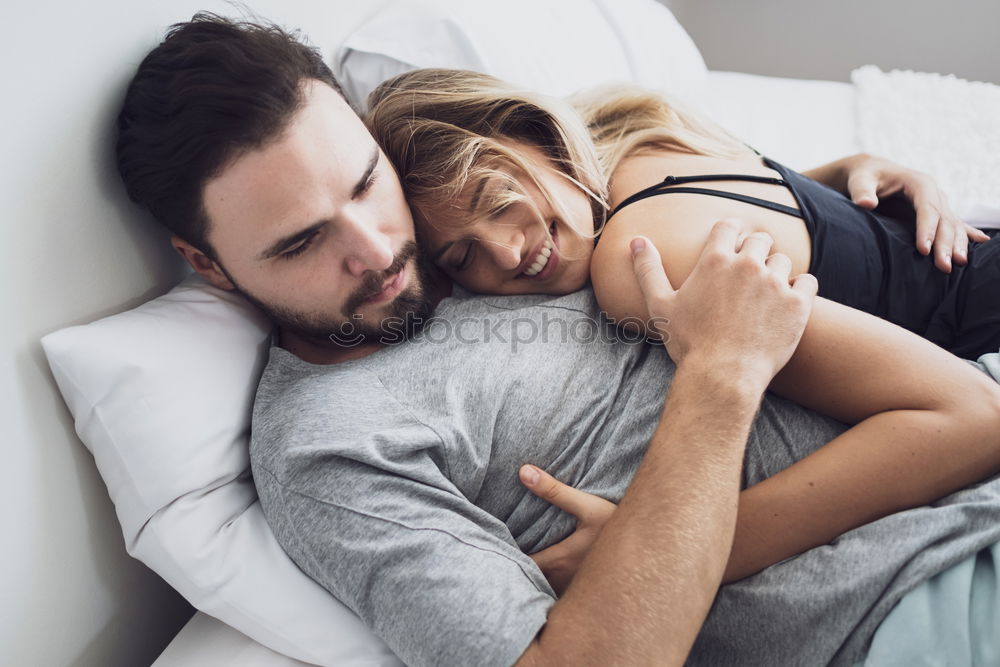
(202, 263)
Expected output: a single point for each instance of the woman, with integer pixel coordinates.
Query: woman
(449, 128)
(506, 187)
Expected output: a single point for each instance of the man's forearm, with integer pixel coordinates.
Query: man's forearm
(834, 174)
(643, 591)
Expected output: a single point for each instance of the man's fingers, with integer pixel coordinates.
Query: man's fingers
(584, 506)
(863, 189)
(960, 246)
(944, 242)
(976, 234)
(649, 271)
(757, 245)
(806, 284)
(725, 236)
(780, 265)
(928, 225)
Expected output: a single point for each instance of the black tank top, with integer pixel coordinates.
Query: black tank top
(868, 260)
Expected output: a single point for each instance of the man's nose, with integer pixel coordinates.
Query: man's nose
(505, 246)
(366, 247)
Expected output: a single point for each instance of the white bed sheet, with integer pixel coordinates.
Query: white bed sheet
(206, 641)
(799, 123)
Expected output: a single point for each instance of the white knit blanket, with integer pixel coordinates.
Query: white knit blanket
(943, 125)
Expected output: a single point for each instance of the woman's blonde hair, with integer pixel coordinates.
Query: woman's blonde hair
(444, 129)
(626, 120)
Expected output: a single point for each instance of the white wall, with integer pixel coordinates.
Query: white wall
(825, 40)
(75, 250)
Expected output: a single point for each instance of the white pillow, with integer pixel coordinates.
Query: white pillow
(161, 396)
(550, 46)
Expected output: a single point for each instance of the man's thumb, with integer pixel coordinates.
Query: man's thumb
(649, 271)
(862, 190)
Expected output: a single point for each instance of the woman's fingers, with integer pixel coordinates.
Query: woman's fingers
(587, 508)
(560, 561)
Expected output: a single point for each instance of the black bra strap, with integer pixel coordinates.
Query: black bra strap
(667, 186)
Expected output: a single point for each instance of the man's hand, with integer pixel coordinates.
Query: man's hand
(645, 587)
(560, 562)
(866, 179)
(736, 310)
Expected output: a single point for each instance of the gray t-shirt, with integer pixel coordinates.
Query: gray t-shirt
(392, 481)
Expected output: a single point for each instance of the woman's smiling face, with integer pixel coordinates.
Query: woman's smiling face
(507, 235)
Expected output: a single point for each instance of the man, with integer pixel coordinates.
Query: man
(388, 471)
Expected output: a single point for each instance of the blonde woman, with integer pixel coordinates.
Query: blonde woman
(509, 189)
(463, 138)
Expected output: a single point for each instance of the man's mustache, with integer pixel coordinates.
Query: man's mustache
(372, 282)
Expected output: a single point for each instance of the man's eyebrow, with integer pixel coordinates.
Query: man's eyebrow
(360, 186)
(283, 244)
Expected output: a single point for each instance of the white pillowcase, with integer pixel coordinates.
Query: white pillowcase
(549, 46)
(161, 396)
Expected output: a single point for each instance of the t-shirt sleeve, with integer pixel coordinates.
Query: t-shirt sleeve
(440, 580)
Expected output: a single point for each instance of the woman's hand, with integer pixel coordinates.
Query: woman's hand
(560, 562)
(866, 178)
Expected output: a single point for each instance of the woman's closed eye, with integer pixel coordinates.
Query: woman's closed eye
(501, 209)
(461, 258)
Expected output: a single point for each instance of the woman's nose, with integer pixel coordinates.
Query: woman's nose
(505, 247)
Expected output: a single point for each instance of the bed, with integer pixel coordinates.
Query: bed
(176, 466)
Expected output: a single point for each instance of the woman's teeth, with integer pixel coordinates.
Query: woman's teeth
(540, 260)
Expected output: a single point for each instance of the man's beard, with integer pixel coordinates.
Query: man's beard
(400, 319)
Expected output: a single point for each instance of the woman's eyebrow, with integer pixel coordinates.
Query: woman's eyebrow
(477, 193)
(494, 200)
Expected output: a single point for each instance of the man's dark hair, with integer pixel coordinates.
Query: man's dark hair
(213, 89)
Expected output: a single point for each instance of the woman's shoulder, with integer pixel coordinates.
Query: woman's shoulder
(649, 167)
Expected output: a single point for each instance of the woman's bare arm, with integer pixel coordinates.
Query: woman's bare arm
(926, 422)
(927, 425)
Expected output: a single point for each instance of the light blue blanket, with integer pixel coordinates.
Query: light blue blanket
(951, 619)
